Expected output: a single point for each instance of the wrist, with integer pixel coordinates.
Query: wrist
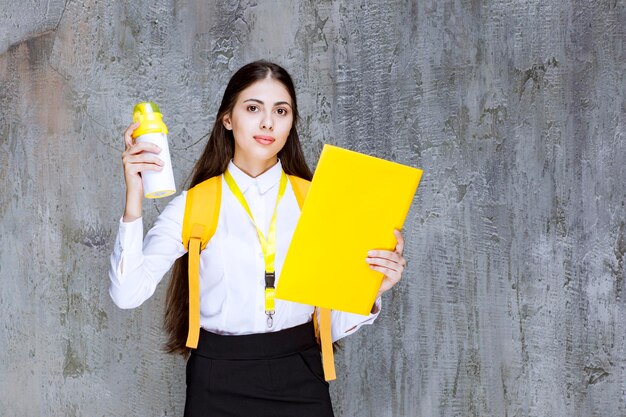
(129, 218)
(133, 208)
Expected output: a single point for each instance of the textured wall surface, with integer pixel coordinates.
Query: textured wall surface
(512, 304)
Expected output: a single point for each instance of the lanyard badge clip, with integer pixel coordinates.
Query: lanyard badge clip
(270, 293)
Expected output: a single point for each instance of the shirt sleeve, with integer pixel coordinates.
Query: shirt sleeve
(137, 265)
(344, 324)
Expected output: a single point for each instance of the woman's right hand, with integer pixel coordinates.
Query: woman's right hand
(136, 158)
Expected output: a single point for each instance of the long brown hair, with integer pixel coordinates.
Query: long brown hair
(214, 160)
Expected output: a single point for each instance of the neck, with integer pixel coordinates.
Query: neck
(253, 167)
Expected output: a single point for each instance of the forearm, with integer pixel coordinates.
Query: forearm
(130, 285)
(133, 208)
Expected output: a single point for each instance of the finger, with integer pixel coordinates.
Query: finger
(128, 140)
(144, 147)
(400, 239)
(138, 167)
(393, 276)
(144, 158)
(386, 263)
(385, 254)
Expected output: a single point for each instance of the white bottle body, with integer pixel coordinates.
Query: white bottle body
(157, 184)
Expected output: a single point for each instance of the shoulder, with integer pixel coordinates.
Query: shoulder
(300, 188)
(178, 203)
(207, 192)
(299, 184)
(207, 184)
(297, 178)
(173, 211)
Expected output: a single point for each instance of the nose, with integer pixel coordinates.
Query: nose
(267, 122)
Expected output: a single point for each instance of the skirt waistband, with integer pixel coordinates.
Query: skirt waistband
(257, 346)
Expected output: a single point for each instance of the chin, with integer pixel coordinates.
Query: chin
(265, 154)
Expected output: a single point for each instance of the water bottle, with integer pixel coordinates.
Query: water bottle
(156, 184)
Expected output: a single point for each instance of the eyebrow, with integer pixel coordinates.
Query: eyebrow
(278, 103)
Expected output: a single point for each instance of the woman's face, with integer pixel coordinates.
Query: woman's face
(260, 120)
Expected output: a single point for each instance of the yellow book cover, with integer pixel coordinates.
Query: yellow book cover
(354, 203)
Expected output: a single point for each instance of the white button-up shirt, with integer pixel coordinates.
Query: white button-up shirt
(232, 266)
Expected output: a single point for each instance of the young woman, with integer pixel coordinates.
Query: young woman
(243, 365)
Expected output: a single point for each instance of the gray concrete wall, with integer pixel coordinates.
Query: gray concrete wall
(512, 304)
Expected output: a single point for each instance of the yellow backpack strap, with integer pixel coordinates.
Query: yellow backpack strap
(300, 188)
(322, 331)
(202, 209)
(326, 341)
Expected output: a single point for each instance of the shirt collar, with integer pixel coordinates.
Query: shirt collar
(264, 182)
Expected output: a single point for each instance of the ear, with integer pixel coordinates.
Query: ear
(226, 122)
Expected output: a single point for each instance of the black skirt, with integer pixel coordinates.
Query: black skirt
(276, 374)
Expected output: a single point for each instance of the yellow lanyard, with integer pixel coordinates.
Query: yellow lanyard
(268, 246)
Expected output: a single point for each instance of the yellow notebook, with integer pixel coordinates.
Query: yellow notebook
(354, 203)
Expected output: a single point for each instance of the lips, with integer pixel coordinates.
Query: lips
(264, 140)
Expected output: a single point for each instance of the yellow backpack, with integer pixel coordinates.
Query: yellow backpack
(202, 211)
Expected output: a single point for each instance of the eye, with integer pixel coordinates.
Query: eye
(282, 112)
(252, 108)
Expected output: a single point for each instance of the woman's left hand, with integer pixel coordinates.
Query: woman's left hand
(391, 264)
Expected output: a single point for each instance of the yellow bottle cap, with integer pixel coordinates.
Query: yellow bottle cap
(150, 118)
